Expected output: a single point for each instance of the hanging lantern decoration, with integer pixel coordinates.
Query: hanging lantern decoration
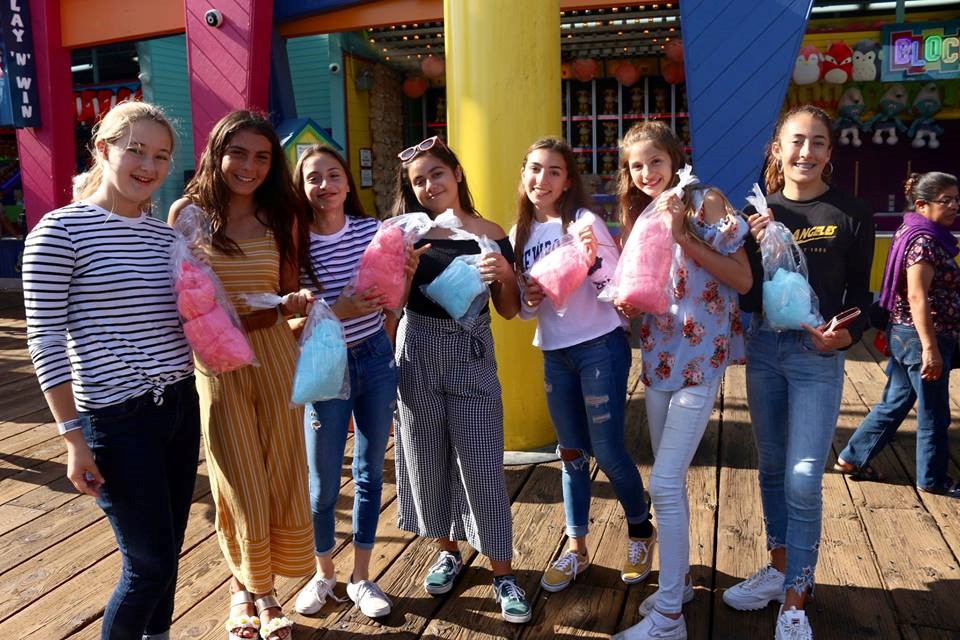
(626, 74)
(674, 50)
(565, 73)
(672, 71)
(584, 69)
(414, 86)
(433, 67)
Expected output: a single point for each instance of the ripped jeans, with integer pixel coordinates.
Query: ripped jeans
(373, 399)
(794, 394)
(586, 388)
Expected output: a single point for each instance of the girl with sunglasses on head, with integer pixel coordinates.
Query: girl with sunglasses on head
(254, 440)
(449, 442)
(105, 337)
(795, 378)
(340, 231)
(921, 290)
(586, 356)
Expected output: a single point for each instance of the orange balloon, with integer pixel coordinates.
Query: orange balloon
(584, 69)
(674, 50)
(626, 73)
(672, 71)
(414, 86)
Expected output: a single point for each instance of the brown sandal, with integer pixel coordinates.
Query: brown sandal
(864, 473)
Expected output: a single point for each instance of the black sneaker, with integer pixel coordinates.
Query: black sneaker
(949, 488)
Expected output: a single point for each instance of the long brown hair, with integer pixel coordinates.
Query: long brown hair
(573, 199)
(773, 170)
(405, 200)
(632, 201)
(279, 206)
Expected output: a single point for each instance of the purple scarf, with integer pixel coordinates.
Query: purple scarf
(914, 225)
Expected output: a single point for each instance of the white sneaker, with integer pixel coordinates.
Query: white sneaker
(757, 591)
(793, 625)
(655, 626)
(651, 600)
(369, 598)
(313, 596)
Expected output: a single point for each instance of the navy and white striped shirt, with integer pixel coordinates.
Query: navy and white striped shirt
(335, 259)
(100, 306)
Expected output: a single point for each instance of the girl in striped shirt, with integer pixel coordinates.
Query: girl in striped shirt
(106, 341)
(340, 230)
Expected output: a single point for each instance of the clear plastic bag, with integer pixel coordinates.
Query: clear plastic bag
(210, 322)
(642, 278)
(460, 289)
(322, 371)
(608, 253)
(561, 271)
(383, 261)
(788, 299)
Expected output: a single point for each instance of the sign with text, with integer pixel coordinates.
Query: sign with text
(19, 63)
(921, 51)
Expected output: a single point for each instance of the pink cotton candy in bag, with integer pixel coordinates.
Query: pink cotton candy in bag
(642, 278)
(561, 271)
(383, 261)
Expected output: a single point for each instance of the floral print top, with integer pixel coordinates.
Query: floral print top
(701, 333)
(944, 292)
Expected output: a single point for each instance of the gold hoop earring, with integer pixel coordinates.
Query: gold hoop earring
(828, 174)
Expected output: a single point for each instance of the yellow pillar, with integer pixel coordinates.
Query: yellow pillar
(503, 92)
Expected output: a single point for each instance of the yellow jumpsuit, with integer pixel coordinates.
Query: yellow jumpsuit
(254, 440)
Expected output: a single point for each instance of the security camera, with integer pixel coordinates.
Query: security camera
(213, 18)
(334, 68)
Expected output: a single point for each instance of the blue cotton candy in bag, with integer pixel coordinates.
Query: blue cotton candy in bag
(457, 286)
(786, 301)
(322, 364)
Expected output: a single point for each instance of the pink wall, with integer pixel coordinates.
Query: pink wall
(47, 153)
(229, 67)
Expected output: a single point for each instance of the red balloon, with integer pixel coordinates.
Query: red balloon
(433, 67)
(674, 50)
(672, 71)
(626, 73)
(584, 69)
(414, 86)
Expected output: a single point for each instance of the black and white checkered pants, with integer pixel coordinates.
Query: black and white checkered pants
(449, 443)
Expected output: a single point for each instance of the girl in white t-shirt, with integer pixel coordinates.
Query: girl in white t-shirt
(586, 360)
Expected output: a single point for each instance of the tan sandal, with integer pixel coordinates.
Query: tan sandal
(235, 624)
(269, 628)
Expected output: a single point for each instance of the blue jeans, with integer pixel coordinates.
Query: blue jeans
(148, 455)
(794, 394)
(904, 387)
(586, 388)
(373, 398)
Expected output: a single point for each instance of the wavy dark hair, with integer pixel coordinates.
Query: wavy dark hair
(279, 206)
(631, 200)
(927, 186)
(573, 199)
(772, 171)
(405, 200)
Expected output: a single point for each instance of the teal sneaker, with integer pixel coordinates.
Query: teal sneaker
(512, 599)
(441, 575)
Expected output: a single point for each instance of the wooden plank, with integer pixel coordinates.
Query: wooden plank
(30, 421)
(741, 547)
(917, 632)
(12, 516)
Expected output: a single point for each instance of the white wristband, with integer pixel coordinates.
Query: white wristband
(71, 425)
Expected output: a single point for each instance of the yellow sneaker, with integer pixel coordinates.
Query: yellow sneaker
(639, 558)
(563, 570)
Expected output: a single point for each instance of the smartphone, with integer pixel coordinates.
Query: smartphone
(841, 320)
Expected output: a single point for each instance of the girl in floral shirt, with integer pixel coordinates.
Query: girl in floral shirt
(685, 350)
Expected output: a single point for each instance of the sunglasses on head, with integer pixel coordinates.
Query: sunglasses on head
(425, 145)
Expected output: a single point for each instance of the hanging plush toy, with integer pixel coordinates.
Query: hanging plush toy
(924, 129)
(866, 60)
(887, 120)
(837, 63)
(807, 68)
(849, 109)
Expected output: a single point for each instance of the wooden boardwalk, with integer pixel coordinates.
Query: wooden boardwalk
(888, 564)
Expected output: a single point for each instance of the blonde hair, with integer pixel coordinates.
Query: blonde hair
(112, 127)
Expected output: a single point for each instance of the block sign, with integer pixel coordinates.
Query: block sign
(921, 51)
(21, 68)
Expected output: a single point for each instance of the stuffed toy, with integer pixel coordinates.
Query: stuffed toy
(806, 70)
(849, 109)
(887, 120)
(924, 129)
(837, 63)
(866, 61)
